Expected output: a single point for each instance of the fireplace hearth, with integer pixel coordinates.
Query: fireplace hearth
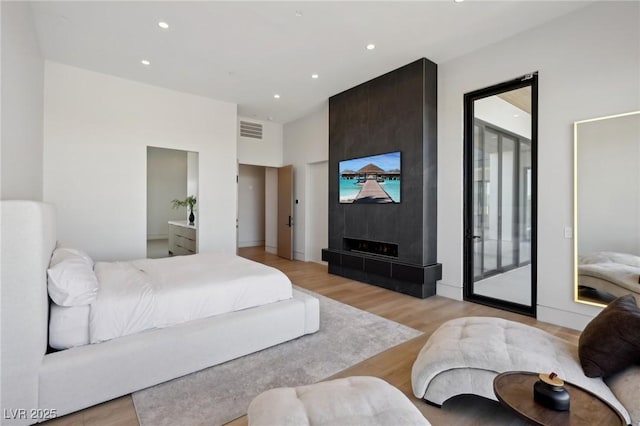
(371, 247)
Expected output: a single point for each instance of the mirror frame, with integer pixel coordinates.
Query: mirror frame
(576, 297)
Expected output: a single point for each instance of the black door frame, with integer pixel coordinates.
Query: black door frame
(468, 275)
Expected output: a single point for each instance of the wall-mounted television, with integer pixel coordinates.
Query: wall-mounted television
(370, 180)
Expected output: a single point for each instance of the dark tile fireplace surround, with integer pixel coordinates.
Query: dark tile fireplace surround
(389, 250)
(388, 245)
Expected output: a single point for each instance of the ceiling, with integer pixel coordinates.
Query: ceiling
(245, 52)
(519, 98)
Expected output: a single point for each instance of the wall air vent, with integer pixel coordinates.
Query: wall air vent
(250, 130)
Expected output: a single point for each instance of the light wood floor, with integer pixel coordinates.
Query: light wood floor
(393, 365)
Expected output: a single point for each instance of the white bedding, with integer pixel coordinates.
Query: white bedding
(620, 269)
(153, 293)
(68, 326)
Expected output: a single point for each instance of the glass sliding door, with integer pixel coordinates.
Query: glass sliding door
(525, 202)
(500, 196)
(485, 248)
(507, 203)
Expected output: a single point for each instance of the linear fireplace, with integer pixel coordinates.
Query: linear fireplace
(371, 247)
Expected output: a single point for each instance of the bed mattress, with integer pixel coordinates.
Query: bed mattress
(144, 294)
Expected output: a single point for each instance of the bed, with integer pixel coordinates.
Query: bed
(614, 273)
(133, 296)
(37, 385)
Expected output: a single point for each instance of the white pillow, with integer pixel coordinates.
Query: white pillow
(62, 253)
(72, 282)
(68, 326)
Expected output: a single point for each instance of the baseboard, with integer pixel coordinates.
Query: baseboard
(449, 291)
(548, 314)
(296, 254)
(242, 244)
(563, 318)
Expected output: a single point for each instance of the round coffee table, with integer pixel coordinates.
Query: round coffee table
(514, 389)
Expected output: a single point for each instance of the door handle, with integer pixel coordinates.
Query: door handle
(468, 234)
(290, 223)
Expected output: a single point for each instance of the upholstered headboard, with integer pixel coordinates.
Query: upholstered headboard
(28, 238)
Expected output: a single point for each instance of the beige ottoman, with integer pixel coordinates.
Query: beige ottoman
(349, 401)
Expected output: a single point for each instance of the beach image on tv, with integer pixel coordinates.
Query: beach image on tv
(371, 180)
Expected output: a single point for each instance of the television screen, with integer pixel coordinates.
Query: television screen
(371, 180)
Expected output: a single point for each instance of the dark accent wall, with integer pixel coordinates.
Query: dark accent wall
(394, 112)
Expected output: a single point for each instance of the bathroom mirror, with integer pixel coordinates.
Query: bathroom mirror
(607, 208)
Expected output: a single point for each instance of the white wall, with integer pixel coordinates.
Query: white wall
(317, 219)
(306, 141)
(261, 152)
(588, 63)
(22, 104)
(96, 132)
(609, 186)
(251, 206)
(166, 181)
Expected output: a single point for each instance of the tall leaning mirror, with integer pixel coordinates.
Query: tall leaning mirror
(607, 208)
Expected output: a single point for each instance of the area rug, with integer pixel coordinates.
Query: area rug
(219, 394)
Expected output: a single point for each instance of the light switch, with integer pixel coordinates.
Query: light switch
(568, 232)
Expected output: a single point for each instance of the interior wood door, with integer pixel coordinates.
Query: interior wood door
(285, 212)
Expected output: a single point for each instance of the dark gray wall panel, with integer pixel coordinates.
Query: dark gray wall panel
(394, 112)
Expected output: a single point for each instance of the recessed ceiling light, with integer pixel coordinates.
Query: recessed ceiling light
(276, 96)
(163, 25)
(371, 46)
(458, 1)
(145, 62)
(314, 76)
(516, 115)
